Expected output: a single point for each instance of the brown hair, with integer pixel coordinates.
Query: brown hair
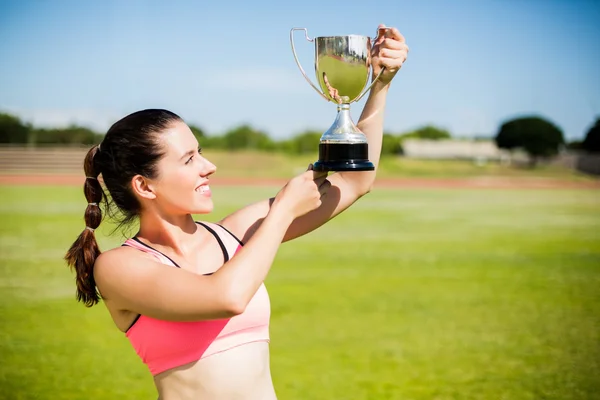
(130, 147)
(84, 251)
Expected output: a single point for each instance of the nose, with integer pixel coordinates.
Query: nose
(208, 168)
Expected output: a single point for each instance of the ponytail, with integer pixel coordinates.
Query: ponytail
(84, 251)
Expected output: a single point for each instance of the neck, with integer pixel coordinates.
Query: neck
(174, 232)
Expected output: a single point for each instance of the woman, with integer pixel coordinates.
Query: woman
(197, 315)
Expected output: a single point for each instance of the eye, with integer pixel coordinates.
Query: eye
(189, 160)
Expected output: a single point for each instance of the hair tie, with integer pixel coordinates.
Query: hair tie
(90, 229)
(91, 177)
(93, 204)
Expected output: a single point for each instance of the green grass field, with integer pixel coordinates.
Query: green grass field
(411, 294)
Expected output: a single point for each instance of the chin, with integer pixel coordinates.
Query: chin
(203, 209)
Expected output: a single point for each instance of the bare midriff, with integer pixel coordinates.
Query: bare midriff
(240, 373)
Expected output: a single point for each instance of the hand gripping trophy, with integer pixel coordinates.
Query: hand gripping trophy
(343, 67)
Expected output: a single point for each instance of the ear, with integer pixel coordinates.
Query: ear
(142, 187)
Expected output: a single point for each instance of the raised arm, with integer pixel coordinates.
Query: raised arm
(134, 282)
(390, 51)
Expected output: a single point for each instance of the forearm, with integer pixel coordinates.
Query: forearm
(371, 124)
(241, 277)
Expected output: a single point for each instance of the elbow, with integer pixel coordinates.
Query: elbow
(359, 184)
(235, 307)
(234, 303)
(365, 190)
(231, 301)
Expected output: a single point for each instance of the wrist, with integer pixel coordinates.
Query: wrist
(378, 92)
(280, 213)
(380, 86)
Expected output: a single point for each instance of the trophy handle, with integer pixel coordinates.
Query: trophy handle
(378, 75)
(298, 62)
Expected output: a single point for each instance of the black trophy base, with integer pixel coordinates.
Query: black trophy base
(343, 157)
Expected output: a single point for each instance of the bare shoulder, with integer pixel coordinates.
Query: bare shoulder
(119, 263)
(136, 281)
(118, 255)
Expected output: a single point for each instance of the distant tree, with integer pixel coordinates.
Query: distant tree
(71, 135)
(432, 133)
(591, 143)
(12, 130)
(246, 137)
(509, 136)
(392, 144)
(198, 132)
(428, 132)
(302, 143)
(537, 136)
(574, 145)
(213, 142)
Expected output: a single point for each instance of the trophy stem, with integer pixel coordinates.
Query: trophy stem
(343, 129)
(343, 147)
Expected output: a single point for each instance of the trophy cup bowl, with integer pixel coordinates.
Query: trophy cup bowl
(342, 67)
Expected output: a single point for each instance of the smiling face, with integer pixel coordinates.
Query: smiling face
(181, 186)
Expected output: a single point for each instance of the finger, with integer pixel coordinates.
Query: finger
(389, 43)
(394, 33)
(393, 54)
(319, 175)
(325, 182)
(381, 30)
(310, 167)
(394, 62)
(391, 64)
(324, 187)
(319, 181)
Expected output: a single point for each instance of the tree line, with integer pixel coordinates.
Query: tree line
(15, 131)
(535, 135)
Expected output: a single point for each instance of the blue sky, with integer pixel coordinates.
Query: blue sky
(472, 64)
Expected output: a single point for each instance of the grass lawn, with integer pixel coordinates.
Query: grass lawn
(411, 294)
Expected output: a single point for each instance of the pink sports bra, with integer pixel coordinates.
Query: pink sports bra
(163, 345)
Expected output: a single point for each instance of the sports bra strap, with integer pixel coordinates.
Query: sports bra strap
(154, 250)
(232, 235)
(221, 244)
(208, 228)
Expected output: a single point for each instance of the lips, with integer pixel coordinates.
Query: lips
(203, 190)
